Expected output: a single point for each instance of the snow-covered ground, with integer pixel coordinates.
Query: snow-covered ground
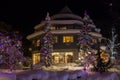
(66, 75)
(112, 74)
(64, 72)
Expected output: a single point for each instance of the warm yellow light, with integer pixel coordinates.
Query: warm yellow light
(68, 39)
(36, 58)
(104, 56)
(30, 49)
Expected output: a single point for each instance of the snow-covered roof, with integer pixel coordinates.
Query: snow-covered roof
(59, 22)
(66, 16)
(54, 32)
(73, 31)
(98, 35)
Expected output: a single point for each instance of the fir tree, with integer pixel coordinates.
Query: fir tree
(85, 40)
(11, 52)
(47, 47)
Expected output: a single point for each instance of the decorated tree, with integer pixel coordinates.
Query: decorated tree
(47, 44)
(113, 45)
(11, 52)
(85, 40)
(88, 45)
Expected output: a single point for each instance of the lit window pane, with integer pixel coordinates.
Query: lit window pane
(67, 39)
(56, 39)
(38, 43)
(52, 27)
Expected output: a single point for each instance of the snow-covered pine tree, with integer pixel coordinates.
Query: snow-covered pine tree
(85, 40)
(47, 44)
(11, 52)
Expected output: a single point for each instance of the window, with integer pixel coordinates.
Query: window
(33, 42)
(36, 58)
(52, 27)
(67, 39)
(63, 28)
(38, 43)
(62, 57)
(55, 39)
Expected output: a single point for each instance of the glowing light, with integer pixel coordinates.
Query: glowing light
(103, 47)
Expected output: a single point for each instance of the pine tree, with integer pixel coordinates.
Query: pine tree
(85, 40)
(47, 44)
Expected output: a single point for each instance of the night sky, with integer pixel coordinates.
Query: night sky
(25, 14)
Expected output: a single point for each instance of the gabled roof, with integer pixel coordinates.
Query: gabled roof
(66, 9)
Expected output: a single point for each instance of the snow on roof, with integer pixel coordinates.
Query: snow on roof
(66, 9)
(73, 31)
(59, 22)
(70, 16)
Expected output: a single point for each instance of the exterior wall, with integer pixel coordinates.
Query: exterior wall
(61, 45)
(57, 47)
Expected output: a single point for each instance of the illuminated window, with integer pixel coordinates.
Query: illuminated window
(55, 39)
(38, 43)
(94, 41)
(62, 57)
(67, 39)
(52, 27)
(33, 42)
(55, 57)
(36, 58)
(63, 28)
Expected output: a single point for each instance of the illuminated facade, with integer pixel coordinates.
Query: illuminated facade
(65, 28)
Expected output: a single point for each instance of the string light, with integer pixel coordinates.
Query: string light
(11, 49)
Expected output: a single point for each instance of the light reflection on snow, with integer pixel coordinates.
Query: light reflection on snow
(65, 72)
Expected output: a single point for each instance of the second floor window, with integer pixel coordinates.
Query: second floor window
(52, 28)
(67, 39)
(38, 43)
(55, 39)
